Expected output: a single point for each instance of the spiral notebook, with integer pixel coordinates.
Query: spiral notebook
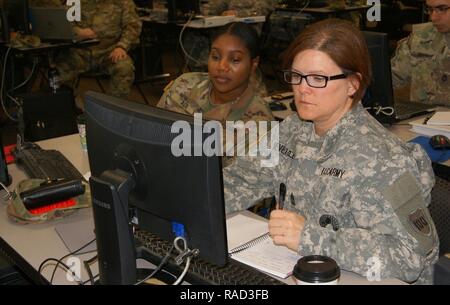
(249, 243)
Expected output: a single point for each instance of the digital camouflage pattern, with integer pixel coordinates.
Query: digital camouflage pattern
(117, 25)
(190, 93)
(19, 213)
(423, 61)
(373, 187)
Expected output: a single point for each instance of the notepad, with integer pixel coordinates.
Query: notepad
(250, 243)
(440, 118)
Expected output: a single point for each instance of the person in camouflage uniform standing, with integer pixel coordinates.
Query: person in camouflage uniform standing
(355, 192)
(422, 60)
(116, 24)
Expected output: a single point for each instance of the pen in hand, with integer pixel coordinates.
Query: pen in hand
(282, 196)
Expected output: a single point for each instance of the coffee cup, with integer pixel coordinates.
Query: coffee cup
(316, 270)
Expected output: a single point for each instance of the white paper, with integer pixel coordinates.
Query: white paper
(270, 258)
(419, 127)
(241, 229)
(265, 255)
(440, 118)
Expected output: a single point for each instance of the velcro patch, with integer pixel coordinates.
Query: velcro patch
(406, 199)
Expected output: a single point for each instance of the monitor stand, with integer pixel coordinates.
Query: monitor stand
(115, 241)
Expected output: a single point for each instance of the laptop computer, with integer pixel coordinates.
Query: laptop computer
(50, 24)
(379, 98)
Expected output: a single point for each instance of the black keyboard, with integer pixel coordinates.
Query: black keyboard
(46, 164)
(201, 272)
(405, 110)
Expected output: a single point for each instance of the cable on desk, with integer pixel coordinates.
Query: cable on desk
(88, 268)
(8, 195)
(157, 269)
(90, 280)
(67, 255)
(59, 262)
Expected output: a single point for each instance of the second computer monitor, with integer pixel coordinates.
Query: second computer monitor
(17, 15)
(379, 92)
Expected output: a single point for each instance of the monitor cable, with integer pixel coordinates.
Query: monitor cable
(388, 111)
(8, 194)
(161, 264)
(72, 253)
(180, 41)
(185, 253)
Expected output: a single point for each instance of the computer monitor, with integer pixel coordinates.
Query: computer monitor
(380, 91)
(144, 3)
(17, 12)
(136, 176)
(181, 10)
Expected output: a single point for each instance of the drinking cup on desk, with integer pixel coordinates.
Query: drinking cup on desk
(81, 123)
(316, 270)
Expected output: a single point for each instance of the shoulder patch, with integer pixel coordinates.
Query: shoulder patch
(406, 199)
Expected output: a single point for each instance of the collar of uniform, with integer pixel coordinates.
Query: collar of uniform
(321, 148)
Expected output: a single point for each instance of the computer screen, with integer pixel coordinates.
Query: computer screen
(181, 10)
(379, 92)
(17, 12)
(144, 3)
(129, 149)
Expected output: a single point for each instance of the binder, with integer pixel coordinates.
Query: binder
(249, 243)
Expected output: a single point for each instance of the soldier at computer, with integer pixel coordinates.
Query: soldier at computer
(422, 60)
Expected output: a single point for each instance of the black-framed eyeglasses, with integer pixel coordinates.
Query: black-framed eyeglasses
(440, 9)
(313, 80)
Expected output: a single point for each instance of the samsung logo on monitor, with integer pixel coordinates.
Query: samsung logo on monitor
(101, 204)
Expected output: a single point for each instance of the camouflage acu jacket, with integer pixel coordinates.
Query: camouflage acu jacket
(364, 194)
(190, 93)
(423, 61)
(115, 22)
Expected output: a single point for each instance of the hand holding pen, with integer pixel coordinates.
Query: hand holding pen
(285, 227)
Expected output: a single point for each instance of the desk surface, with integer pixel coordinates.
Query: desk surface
(326, 9)
(46, 46)
(33, 243)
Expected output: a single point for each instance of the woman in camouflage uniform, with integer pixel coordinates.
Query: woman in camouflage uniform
(355, 192)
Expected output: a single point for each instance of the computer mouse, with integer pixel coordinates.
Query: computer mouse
(277, 106)
(440, 142)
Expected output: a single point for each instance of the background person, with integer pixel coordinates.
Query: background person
(422, 60)
(117, 26)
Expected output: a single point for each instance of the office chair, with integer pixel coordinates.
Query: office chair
(440, 212)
